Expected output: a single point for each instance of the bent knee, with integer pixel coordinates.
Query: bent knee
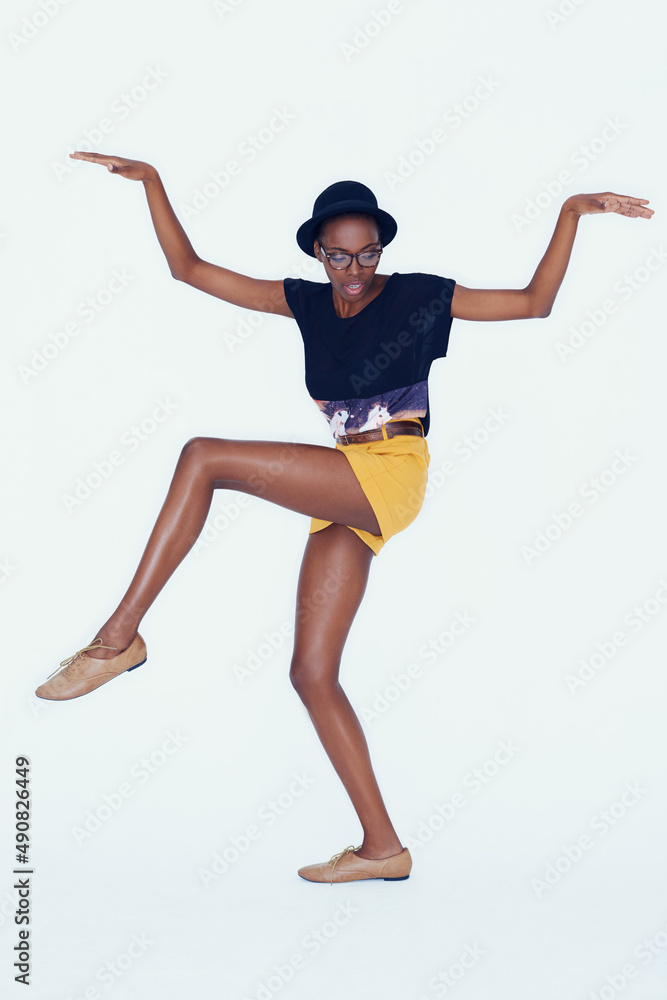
(196, 447)
(198, 451)
(313, 674)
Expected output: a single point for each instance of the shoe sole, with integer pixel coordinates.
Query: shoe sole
(136, 665)
(379, 878)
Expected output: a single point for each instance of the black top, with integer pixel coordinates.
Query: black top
(373, 367)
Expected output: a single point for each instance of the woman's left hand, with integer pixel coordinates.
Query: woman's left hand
(622, 204)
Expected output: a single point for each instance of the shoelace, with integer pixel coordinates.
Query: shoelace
(70, 659)
(336, 858)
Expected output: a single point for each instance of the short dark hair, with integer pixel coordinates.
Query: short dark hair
(366, 216)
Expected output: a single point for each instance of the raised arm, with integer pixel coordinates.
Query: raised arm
(537, 298)
(184, 264)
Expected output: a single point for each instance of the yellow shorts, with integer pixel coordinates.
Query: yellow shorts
(393, 473)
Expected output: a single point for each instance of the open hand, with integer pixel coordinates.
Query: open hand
(622, 204)
(134, 170)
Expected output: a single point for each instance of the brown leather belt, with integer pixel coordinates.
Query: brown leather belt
(392, 427)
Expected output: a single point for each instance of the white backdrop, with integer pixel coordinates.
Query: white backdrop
(523, 759)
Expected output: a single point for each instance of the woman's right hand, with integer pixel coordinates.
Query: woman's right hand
(134, 170)
(260, 294)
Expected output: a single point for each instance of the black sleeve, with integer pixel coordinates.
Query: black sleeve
(431, 315)
(293, 296)
(443, 321)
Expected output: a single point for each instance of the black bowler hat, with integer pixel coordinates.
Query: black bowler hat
(345, 196)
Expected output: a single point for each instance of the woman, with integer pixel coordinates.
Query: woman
(369, 341)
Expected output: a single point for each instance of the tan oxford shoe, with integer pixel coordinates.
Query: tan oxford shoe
(82, 673)
(347, 867)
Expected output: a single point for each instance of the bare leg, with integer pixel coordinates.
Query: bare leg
(336, 564)
(311, 479)
(316, 481)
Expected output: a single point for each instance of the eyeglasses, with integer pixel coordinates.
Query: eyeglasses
(341, 261)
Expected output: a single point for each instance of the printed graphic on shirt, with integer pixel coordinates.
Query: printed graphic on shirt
(351, 416)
